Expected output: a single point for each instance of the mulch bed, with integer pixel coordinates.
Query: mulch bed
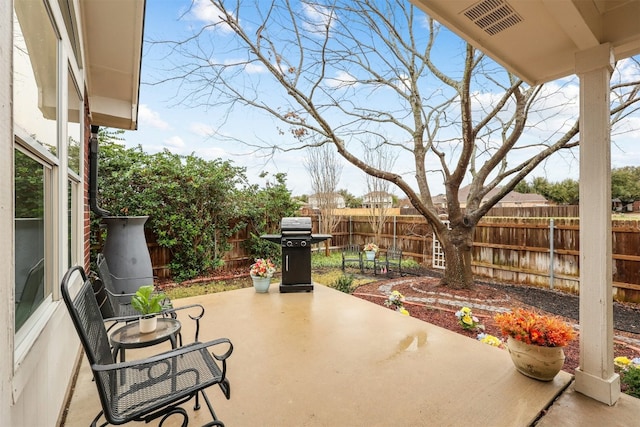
(443, 315)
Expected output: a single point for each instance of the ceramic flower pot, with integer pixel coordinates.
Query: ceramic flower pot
(261, 284)
(370, 255)
(541, 363)
(148, 324)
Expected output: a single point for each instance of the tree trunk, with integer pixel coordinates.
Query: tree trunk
(457, 247)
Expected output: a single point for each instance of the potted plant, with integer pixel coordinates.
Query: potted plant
(148, 303)
(535, 342)
(370, 250)
(261, 272)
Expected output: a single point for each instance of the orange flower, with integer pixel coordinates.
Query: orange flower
(533, 328)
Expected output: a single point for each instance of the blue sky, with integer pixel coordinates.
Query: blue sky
(212, 132)
(183, 130)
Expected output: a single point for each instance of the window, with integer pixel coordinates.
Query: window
(35, 113)
(31, 208)
(75, 115)
(35, 75)
(49, 119)
(74, 118)
(68, 13)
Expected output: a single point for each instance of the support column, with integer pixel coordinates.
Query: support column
(595, 376)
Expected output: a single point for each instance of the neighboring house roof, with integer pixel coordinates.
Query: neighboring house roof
(335, 198)
(321, 195)
(511, 197)
(377, 195)
(515, 197)
(113, 32)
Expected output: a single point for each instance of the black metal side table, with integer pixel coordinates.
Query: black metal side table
(129, 336)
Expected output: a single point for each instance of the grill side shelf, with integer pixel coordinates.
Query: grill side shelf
(275, 238)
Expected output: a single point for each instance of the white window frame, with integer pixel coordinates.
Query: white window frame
(61, 180)
(29, 332)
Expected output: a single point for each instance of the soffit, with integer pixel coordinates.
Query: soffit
(538, 39)
(112, 43)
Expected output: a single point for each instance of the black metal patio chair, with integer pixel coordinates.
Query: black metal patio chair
(145, 389)
(352, 254)
(33, 286)
(116, 307)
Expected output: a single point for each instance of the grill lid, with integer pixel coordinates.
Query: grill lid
(300, 225)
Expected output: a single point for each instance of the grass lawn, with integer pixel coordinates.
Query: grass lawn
(325, 271)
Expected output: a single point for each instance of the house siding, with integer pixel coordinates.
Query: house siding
(6, 212)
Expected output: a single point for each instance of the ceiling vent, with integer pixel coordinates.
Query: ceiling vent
(492, 16)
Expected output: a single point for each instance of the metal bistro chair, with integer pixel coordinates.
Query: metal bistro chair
(392, 262)
(146, 389)
(352, 254)
(116, 307)
(33, 285)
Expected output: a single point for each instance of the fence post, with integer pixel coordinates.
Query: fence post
(350, 231)
(395, 232)
(551, 257)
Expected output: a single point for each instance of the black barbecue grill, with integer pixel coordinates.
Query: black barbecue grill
(296, 239)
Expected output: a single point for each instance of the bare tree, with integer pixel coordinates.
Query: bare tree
(325, 169)
(380, 157)
(341, 72)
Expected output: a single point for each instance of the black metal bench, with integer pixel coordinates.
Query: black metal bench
(146, 389)
(352, 254)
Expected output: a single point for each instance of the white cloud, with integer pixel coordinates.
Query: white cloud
(204, 10)
(175, 142)
(404, 82)
(152, 118)
(318, 18)
(626, 70)
(202, 129)
(342, 80)
(249, 67)
(211, 153)
(255, 68)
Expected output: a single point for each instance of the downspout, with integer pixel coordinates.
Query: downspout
(93, 174)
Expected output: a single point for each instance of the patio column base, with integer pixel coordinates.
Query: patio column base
(601, 389)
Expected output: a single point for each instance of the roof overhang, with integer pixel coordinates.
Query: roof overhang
(113, 34)
(538, 39)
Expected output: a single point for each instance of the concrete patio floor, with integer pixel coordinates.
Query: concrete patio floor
(325, 358)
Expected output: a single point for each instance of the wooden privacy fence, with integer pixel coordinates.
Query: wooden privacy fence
(236, 257)
(545, 252)
(536, 251)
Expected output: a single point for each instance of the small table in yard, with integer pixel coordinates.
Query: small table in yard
(129, 336)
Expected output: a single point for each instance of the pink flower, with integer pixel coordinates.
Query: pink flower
(262, 268)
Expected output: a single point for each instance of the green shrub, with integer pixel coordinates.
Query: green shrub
(260, 248)
(262, 209)
(343, 283)
(190, 202)
(194, 205)
(631, 378)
